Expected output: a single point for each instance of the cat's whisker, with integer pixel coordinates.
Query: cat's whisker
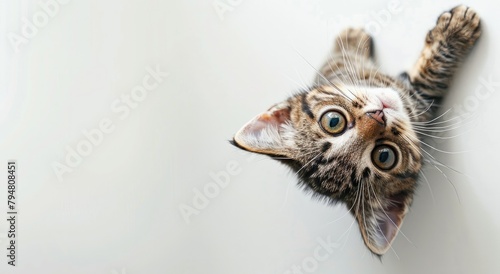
(295, 82)
(348, 233)
(357, 201)
(434, 165)
(344, 76)
(341, 217)
(321, 75)
(438, 131)
(363, 63)
(348, 64)
(444, 151)
(443, 128)
(306, 164)
(446, 126)
(304, 85)
(430, 122)
(451, 183)
(415, 146)
(429, 185)
(288, 189)
(350, 69)
(439, 137)
(428, 107)
(434, 161)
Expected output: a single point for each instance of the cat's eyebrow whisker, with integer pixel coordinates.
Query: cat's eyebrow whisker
(295, 82)
(349, 67)
(363, 60)
(321, 75)
(344, 76)
(356, 59)
(304, 84)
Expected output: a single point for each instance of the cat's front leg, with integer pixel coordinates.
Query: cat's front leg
(446, 45)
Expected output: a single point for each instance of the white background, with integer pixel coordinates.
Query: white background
(117, 211)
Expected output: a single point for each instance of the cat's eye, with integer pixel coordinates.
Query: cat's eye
(384, 157)
(333, 122)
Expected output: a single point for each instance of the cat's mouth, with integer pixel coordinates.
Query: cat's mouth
(378, 115)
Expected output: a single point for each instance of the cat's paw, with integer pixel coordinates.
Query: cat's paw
(355, 40)
(460, 26)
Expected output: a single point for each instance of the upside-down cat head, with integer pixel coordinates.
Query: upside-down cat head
(351, 138)
(347, 144)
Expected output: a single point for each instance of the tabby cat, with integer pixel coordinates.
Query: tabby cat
(353, 138)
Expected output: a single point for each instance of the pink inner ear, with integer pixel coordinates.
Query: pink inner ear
(263, 133)
(389, 225)
(266, 120)
(276, 117)
(389, 221)
(381, 228)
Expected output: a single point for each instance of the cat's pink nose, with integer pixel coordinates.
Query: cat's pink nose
(378, 116)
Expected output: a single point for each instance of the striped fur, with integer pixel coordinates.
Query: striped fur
(341, 167)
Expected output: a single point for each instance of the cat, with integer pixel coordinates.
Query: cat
(354, 137)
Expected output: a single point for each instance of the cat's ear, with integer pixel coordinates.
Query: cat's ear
(379, 226)
(269, 133)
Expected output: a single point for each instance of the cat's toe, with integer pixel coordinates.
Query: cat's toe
(459, 28)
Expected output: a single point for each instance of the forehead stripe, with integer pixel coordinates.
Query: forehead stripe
(305, 106)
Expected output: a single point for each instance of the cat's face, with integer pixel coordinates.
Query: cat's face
(348, 144)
